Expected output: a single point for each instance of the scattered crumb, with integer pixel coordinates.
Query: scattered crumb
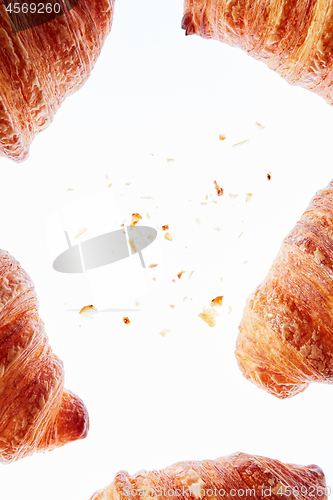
(148, 216)
(70, 189)
(241, 234)
(88, 311)
(203, 203)
(245, 261)
(230, 310)
(107, 177)
(135, 219)
(146, 197)
(153, 265)
(219, 190)
(173, 281)
(170, 160)
(152, 154)
(222, 137)
(240, 143)
(154, 279)
(198, 221)
(121, 225)
(207, 196)
(168, 236)
(217, 228)
(233, 195)
(81, 231)
(126, 320)
(214, 201)
(165, 228)
(217, 301)
(185, 298)
(260, 125)
(172, 306)
(164, 332)
(137, 303)
(248, 196)
(221, 279)
(269, 176)
(109, 185)
(191, 273)
(209, 316)
(128, 183)
(180, 274)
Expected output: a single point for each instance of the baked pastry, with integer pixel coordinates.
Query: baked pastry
(293, 38)
(40, 66)
(232, 477)
(286, 334)
(36, 412)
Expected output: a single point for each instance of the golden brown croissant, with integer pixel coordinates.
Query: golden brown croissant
(36, 413)
(42, 65)
(232, 477)
(286, 334)
(293, 38)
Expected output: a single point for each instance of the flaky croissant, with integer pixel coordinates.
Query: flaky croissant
(293, 38)
(232, 477)
(36, 412)
(40, 66)
(286, 333)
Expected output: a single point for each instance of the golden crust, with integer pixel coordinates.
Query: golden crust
(207, 479)
(293, 37)
(36, 413)
(41, 66)
(285, 340)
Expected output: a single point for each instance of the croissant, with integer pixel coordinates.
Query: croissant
(41, 65)
(293, 38)
(232, 477)
(286, 334)
(36, 412)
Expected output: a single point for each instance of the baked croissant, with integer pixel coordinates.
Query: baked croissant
(36, 412)
(40, 66)
(232, 477)
(286, 333)
(293, 38)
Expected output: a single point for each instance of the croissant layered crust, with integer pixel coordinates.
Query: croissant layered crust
(41, 66)
(286, 333)
(235, 476)
(36, 413)
(294, 38)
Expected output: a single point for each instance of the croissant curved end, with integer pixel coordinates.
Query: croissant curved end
(73, 420)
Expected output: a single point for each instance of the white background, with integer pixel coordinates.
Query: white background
(156, 94)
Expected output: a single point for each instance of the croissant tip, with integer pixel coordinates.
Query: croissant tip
(188, 24)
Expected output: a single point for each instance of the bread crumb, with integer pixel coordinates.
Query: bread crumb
(219, 190)
(153, 265)
(165, 228)
(168, 236)
(217, 228)
(233, 195)
(217, 302)
(70, 189)
(173, 281)
(180, 274)
(164, 332)
(126, 320)
(222, 137)
(248, 196)
(209, 316)
(81, 231)
(128, 183)
(88, 311)
(169, 160)
(109, 185)
(135, 219)
(203, 203)
(259, 125)
(240, 143)
(269, 176)
(172, 306)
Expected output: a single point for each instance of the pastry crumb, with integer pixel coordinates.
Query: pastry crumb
(128, 183)
(165, 228)
(180, 274)
(240, 143)
(169, 160)
(269, 176)
(209, 316)
(222, 137)
(81, 231)
(135, 219)
(217, 302)
(172, 306)
(168, 236)
(164, 332)
(217, 228)
(147, 215)
(241, 234)
(88, 311)
(218, 188)
(126, 320)
(230, 310)
(233, 195)
(198, 221)
(190, 275)
(248, 196)
(259, 125)
(153, 265)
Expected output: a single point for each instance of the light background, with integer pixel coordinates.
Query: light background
(156, 95)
